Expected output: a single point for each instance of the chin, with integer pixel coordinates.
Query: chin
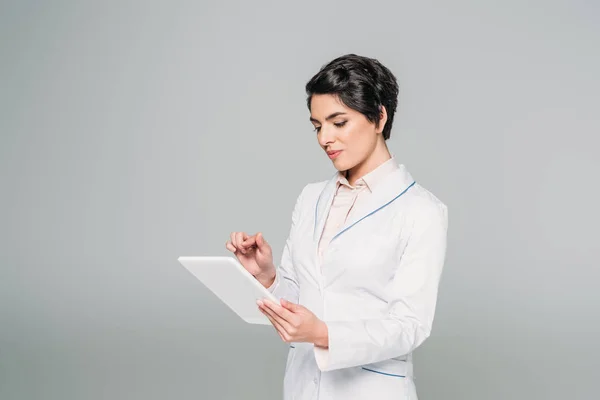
(338, 164)
(344, 161)
(341, 166)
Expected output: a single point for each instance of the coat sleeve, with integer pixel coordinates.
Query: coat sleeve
(412, 297)
(285, 284)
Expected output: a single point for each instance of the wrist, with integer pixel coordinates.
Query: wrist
(322, 336)
(266, 279)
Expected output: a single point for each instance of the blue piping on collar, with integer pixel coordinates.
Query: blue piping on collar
(369, 214)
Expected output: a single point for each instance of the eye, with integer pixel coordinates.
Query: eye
(317, 128)
(340, 124)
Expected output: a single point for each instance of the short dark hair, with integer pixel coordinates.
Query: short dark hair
(362, 84)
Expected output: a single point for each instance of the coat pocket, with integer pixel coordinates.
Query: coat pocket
(392, 368)
(383, 380)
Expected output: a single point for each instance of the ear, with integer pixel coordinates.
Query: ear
(382, 118)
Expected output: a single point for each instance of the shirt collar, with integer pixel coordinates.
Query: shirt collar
(371, 179)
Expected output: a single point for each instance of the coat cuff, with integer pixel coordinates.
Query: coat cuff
(274, 284)
(346, 348)
(337, 354)
(322, 357)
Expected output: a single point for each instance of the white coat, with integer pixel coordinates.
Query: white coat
(376, 289)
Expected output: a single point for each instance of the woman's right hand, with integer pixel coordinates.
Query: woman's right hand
(254, 253)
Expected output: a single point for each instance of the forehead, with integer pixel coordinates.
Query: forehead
(323, 105)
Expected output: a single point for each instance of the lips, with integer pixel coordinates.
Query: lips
(334, 153)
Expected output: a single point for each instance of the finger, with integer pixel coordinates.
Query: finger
(277, 323)
(284, 316)
(244, 238)
(249, 241)
(288, 305)
(233, 242)
(280, 330)
(283, 312)
(230, 246)
(277, 318)
(239, 239)
(260, 240)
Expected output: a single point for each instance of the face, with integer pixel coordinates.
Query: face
(344, 131)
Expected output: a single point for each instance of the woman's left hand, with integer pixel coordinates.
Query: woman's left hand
(295, 323)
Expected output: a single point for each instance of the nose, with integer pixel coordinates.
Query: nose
(326, 136)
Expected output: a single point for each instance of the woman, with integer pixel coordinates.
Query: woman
(359, 274)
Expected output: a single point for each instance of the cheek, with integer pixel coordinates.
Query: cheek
(351, 137)
(353, 146)
(358, 140)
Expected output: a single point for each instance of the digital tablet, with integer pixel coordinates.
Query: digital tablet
(230, 282)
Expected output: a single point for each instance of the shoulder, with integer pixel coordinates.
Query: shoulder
(425, 208)
(312, 190)
(309, 194)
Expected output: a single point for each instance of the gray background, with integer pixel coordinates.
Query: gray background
(136, 132)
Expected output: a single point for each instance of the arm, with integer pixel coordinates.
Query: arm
(413, 296)
(286, 283)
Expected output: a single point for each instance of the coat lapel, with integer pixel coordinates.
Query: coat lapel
(323, 205)
(391, 188)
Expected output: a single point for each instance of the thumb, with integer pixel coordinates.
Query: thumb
(260, 241)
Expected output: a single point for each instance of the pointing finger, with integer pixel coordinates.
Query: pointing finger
(250, 241)
(232, 241)
(239, 239)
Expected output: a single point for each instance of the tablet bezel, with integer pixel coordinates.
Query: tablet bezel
(202, 266)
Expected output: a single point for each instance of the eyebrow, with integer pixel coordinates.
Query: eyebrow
(335, 114)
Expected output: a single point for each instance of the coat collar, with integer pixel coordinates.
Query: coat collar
(392, 186)
(373, 178)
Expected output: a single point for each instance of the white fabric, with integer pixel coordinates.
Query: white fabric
(347, 195)
(375, 288)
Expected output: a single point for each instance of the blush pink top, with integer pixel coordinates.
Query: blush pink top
(347, 196)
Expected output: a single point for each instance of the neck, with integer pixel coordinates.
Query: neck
(380, 155)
